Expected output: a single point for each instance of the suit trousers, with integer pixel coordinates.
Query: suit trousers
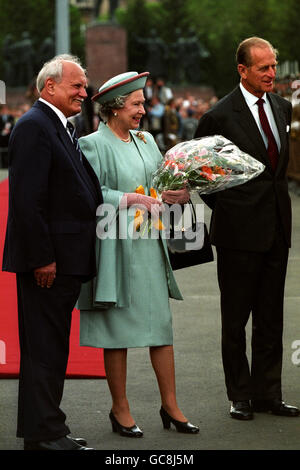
(44, 331)
(253, 282)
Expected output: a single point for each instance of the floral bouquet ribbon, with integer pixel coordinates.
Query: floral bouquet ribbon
(208, 164)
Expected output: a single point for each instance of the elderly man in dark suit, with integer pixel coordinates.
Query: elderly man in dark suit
(53, 197)
(251, 229)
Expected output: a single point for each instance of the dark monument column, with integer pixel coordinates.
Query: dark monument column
(106, 52)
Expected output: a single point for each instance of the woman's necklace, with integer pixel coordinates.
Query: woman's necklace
(126, 140)
(123, 140)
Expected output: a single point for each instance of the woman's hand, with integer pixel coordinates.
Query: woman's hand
(180, 196)
(152, 205)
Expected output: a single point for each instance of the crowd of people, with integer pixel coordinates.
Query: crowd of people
(8, 118)
(170, 117)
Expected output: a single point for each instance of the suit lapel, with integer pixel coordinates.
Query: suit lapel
(65, 139)
(247, 122)
(80, 167)
(281, 126)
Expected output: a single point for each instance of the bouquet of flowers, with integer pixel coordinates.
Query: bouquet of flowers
(208, 164)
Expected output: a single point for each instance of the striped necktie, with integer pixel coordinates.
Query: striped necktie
(272, 146)
(74, 137)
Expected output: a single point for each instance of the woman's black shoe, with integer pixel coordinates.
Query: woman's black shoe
(133, 431)
(180, 426)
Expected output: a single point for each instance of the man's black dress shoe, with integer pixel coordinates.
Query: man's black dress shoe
(241, 410)
(78, 440)
(63, 443)
(277, 407)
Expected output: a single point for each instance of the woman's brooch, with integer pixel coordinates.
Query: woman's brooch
(141, 136)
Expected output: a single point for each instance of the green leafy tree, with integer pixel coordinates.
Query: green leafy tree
(220, 26)
(37, 17)
(216, 26)
(290, 37)
(136, 21)
(173, 18)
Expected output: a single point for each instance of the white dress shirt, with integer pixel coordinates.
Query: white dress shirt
(59, 113)
(251, 102)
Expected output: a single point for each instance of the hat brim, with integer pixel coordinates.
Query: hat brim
(129, 85)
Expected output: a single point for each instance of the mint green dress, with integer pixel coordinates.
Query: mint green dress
(127, 304)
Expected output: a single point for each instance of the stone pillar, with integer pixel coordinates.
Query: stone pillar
(62, 19)
(106, 52)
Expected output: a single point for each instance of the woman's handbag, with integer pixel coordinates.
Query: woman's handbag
(189, 246)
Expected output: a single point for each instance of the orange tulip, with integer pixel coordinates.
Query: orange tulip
(158, 224)
(140, 190)
(139, 215)
(153, 193)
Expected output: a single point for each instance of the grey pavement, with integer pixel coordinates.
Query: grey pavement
(199, 377)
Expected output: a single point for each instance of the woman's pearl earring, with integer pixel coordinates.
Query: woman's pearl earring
(115, 114)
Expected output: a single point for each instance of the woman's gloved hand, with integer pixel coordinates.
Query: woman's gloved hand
(180, 196)
(152, 205)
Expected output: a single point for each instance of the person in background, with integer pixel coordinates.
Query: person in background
(162, 91)
(7, 122)
(171, 124)
(189, 125)
(155, 116)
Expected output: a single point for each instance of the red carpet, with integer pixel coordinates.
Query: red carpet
(84, 362)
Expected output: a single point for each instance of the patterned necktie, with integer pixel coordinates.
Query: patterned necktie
(74, 137)
(272, 146)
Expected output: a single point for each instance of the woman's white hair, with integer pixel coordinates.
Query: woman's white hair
(106, 108)
(54, 69)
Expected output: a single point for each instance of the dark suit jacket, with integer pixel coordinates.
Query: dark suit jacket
(52, 199)
(245, 217)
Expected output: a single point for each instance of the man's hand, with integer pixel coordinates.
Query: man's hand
(180, 196)
(45, 275)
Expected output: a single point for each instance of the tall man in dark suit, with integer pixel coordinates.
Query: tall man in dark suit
(53, 197)
(251, 229)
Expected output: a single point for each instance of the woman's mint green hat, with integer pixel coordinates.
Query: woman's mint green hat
(120, 85)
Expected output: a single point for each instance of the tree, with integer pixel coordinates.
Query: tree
(290, 30)
(37, 17)
(136, 21)
(173, 18)
(220, 26)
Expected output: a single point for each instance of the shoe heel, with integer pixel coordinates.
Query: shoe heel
(114, 427)
(185, 426)
(165, 419)
(132, 431)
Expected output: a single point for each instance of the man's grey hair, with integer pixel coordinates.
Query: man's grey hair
(106, 109)
(54, 69)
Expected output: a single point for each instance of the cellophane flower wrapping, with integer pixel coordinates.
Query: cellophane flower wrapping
(207, 164)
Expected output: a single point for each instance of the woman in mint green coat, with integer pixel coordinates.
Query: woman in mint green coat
(127, 304)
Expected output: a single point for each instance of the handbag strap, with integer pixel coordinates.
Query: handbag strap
(194, 220)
